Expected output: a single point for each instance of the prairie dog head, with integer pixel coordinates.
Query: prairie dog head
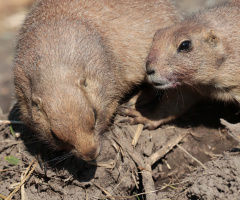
(186, 54)
(60, 79)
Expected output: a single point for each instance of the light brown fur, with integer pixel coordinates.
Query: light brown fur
(211, 64)
(76, 59)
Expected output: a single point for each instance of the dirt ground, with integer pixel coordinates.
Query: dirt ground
(194, 157)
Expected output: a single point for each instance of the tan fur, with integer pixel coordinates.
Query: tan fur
(211, 66)
(76, 59)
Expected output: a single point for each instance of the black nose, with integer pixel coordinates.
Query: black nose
(149, 69)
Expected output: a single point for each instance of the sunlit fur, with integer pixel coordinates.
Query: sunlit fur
(76, 59)
(212, 64)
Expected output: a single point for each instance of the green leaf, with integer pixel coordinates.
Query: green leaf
(172, 187)
(12, 131)
(12, 160)
(136, 195)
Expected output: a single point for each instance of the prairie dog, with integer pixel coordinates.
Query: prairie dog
(202, 53)
(75, 60)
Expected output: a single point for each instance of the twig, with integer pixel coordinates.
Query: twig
(23, 192)
(135, 181)
(5, 170)
(137, 134)
(172, 184)
(149, 183)
(107, 193)
(135, 195)
(119, 183)
(115, 145)
(2, 196)
(192, 156)
(166, 148)
(26, 176)
(109, 165)
(12, 142)
(10, 122)
(147, 179)
(168, 166)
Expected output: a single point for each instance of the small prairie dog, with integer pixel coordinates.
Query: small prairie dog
(76, 59)
(199, 57)
(202, 52)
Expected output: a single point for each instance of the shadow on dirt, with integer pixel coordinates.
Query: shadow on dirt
(205, 112)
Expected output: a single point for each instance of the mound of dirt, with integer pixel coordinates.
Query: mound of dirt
(159, 162)
(220, 180)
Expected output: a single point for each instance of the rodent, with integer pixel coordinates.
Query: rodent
(74, 62)
(201, 52)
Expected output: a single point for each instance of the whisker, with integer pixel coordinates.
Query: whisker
(32, 141)
(181, 94)
(60, 158)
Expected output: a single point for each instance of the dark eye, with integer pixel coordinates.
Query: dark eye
(95, 114)
(185, 46)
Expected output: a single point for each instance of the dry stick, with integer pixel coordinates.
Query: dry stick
(147, 176)
(12, 141)
(2, 196)
(109, 165)
(5, 170)
(23, 193)
(119, 183)
(134, 177)
(166, 148)
(149, 183)
(10, 122)
(26, 176)
(137, 134)
(135, 181)
(107, 193)
(135, 195)
(191, 156)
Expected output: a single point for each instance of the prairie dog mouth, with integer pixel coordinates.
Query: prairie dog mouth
(163, 83)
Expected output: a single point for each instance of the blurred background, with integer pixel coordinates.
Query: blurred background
(12, 14)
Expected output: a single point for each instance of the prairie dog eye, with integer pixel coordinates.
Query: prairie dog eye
(185, 46)
(95, 114)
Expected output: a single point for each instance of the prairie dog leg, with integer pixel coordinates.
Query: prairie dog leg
(165, 107)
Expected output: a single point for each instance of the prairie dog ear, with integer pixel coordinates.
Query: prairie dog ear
(37, 101)
(211, 37)
(82, 82)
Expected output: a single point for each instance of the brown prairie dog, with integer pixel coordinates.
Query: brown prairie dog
(76, 59)
(201, 52)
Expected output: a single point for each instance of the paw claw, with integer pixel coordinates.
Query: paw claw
(123, 121)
